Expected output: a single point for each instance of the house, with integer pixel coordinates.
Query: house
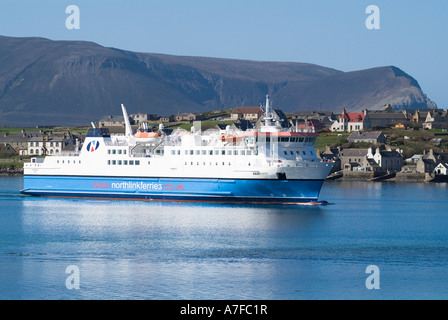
(17, 141)
(247, 113)
(371, 160)
(374, 137)
(7, 150)
(53, 144)
(351, 121)
(143, 117)
(170, 118)
(188, 117)
(305, 115)
(387, 160)
(414, 159)
(441, 168)
(306, 127)
(429, 160)
(309, 126)
(139, 117)
(355, 158)
(386, 119)
(418, 117)
(113, 121)
(435, 120)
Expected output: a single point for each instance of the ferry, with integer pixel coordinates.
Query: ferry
(266, 165)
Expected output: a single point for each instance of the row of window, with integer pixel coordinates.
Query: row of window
(215, 152)
(228, 152)
(40, 151)
(116, 151)
(36, 144)
(124, 162)
(297, 151)
(68, 161)
(386, 162)
(292, 139)
(210, 163)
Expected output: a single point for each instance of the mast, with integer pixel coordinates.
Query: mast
(268, 118)
(268, 113)
(128, 131)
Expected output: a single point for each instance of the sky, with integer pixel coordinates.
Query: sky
(412, 34)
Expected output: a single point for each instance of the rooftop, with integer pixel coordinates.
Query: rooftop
(365, 135)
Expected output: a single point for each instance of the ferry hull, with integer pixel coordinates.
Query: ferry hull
(221, 190)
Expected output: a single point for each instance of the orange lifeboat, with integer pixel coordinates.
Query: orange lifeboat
(230, 138)
(141, 134)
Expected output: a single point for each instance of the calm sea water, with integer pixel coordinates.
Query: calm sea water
(160, 250)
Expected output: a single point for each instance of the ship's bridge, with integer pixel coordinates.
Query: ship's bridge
(98, 132)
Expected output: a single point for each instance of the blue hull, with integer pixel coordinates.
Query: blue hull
(247, 190)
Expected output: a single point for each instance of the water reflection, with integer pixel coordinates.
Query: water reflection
(169, 250)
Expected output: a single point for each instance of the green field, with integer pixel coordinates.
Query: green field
(331, 139)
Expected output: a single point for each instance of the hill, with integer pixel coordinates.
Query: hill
(74, 82)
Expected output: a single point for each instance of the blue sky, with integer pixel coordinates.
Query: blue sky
(412, 34)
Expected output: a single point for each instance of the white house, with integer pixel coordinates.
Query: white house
(49, 144)
(441, 168)
(351, 121)
(388, 160)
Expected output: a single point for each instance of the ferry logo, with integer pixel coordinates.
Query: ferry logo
(93, 145)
